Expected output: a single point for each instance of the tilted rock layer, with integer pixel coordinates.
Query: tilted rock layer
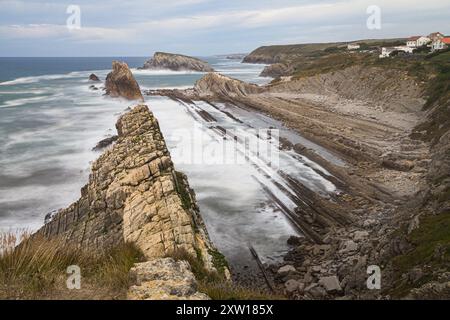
(135, 195)
(216, 84)
(120, 82)
(176, 62)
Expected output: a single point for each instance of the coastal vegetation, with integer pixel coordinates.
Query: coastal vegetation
(37, 269)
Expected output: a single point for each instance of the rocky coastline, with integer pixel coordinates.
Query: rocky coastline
(176, 62)
(368, 121)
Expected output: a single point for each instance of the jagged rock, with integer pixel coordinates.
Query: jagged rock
(275, 70)
(331, 284)
(164, 279)
(120, 82)
(176, 62)
(93, 77)
(92, 87)
(105, 143)
(134, 195)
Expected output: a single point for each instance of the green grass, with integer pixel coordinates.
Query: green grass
(36, 269)
(433, 233)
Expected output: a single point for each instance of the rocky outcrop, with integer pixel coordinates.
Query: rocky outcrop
(134, 195)
(217, 85)
(389, 90)
(176, 62)
(275, 70)
(164, 279)
(93, 77)
(120, 82)
(102, 144)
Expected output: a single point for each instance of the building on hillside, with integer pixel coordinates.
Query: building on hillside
(417, 41)
(435, 36)
(440, 44)
(353, 46)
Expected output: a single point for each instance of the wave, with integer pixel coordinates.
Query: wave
(163, 72)
(74, 74)
(22, 101)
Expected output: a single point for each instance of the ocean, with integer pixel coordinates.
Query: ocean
(50, 120)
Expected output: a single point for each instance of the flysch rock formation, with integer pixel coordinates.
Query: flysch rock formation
(218, 84)
(135, 195)
(176, 62)
(120, 82)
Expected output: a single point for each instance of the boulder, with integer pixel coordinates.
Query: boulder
(291, 286)
(331, 284)
(163, 279)
(120, 82)
(349, 246)
(93, 77)
(286, 270)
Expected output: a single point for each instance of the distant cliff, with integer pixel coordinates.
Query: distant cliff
(176, 62)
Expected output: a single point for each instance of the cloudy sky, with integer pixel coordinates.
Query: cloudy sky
(203, 27)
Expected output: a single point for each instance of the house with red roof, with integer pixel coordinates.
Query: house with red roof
(440, 44)
(435, 36)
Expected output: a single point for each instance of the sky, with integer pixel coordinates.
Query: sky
(203, 27)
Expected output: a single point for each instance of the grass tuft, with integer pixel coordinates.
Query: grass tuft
(36, 269)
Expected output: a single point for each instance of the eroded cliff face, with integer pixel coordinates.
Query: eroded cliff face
(120, 82)
(135, 195)
(176, 62)
(390, 90)
(216, 84)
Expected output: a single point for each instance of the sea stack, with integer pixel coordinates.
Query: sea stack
(176, 62)
(120, 82)
(93, 77)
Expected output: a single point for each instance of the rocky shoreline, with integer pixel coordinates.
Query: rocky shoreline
(383, 179)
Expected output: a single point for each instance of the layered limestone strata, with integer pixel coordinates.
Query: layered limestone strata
(135, 195)
(176, 62)
(216, 84)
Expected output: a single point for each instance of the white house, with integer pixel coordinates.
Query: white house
(353, 46)
(417, 41)
(387, 51)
